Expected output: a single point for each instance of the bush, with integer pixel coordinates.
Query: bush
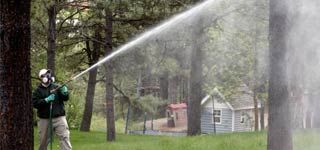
(74, 109)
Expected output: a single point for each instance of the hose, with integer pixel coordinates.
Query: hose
(50, 126)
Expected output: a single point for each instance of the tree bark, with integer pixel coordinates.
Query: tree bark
(164, 85)
(262, 116)
(173, 90)
(185, 89)
(279, 132)
(255, 69)
(308, 124)
(51, 53)
(315, 111)
(16, 126)
(194, 108)
(256, 111)
(93, 57)
(111, 132)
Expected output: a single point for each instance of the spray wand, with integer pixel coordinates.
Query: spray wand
(62, 85)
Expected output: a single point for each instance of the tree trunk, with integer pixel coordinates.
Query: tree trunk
(51, 53)
(194, 108)
(315, 111)
(308, 119)
(111, 132)
(173, 90)
(255, 69)
(279, 132)
(297, 110)
(256, 111)
(164, 85)
(139, 83)
(262, 116)
(87, 114)
(185, 89)
(146, 81)
(16, 126)
(93, 58)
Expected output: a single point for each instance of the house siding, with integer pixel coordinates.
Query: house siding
(247, 125)
(207, 121)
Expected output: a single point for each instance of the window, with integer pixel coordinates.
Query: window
(216, 116)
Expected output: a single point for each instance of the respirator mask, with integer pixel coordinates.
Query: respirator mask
(46, 76)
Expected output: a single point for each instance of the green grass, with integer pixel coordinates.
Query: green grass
(96, 140)
(99, 124)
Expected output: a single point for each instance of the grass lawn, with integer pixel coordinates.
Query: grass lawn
(306, 140)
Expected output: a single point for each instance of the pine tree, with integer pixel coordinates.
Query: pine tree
(16, 128)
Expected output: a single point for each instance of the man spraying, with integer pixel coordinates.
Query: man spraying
(46, 94)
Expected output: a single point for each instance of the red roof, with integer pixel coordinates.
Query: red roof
(177, 106)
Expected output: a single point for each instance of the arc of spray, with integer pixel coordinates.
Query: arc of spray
(173, 21)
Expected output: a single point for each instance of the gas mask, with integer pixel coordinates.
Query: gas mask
(46, 76)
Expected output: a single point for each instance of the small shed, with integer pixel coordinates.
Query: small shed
(219, 115)
(176, 114)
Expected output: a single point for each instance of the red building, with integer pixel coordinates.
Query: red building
(177, 115)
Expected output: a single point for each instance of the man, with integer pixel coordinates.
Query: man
(42, 97)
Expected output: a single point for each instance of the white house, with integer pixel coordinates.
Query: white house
(234, 115)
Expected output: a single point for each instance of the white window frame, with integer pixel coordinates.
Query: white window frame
(216, 116)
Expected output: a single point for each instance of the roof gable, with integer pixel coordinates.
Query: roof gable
(243, 99)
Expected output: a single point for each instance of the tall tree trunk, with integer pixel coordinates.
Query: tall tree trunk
(16, 126)
(262, 116)
(185, 89)
(297, 110)
(164, 85)
(194, 113)
(255, 86)
(51, 53)
(308, 111)
(315, 111)
(139, 83)
(146, 81)
(173, 90)
(279, 132)
(87, 115)
(194, 108)
(255, 68)
(256, 111)
(93, 57)
(111, 131)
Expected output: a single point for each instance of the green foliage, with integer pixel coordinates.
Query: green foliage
(74, 107)
(228, 50)
(236, 51)
(148, 103)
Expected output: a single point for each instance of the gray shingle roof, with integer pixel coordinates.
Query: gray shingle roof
(243, 98)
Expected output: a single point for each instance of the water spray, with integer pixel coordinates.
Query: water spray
(144, 36)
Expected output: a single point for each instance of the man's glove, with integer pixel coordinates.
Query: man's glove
(64, 91)
(50, 98)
